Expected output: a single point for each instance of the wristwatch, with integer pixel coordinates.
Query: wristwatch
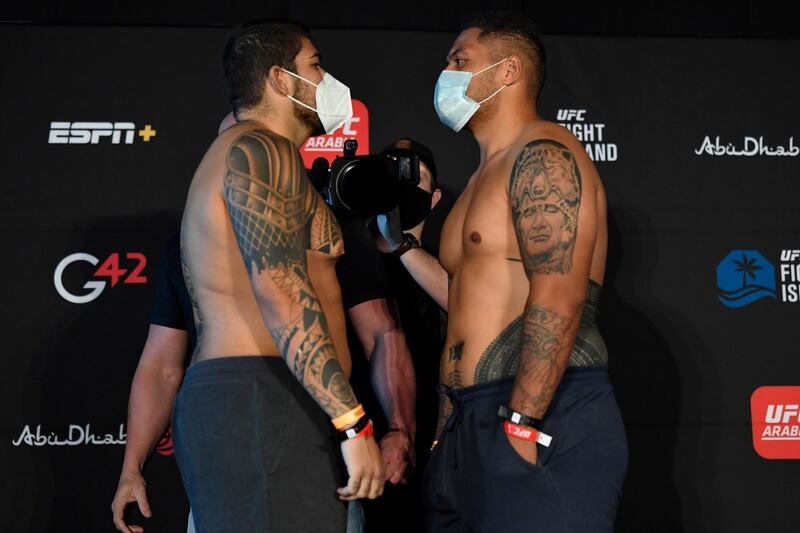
(409, 242)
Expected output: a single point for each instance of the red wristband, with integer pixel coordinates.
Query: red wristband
(526, 433)
(520, 432)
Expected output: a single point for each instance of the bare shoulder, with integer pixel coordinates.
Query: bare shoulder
(259, 152)
(549, 133)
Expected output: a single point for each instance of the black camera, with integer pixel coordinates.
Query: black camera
(365, 185)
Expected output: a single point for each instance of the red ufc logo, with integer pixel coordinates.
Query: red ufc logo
(775, 413)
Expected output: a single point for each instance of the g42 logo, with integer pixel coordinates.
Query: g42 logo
(110, 268)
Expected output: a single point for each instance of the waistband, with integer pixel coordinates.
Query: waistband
(236, 365)
(573, 377)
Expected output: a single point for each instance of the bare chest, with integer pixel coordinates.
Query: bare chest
(479, 227)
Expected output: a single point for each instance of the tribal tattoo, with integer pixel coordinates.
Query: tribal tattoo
(546, 335)
(501, 358)
(198, 318)
(277, 217)
(545, 190)
(454, 353)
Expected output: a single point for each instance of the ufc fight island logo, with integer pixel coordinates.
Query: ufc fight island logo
(775, 413)
(591, 134)
(110, 268)
(745, 276)
(97, 132)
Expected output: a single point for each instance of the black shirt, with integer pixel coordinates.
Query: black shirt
(173, 307)
(366, 274)
(361, 270)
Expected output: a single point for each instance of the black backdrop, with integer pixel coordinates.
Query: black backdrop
(674, 118)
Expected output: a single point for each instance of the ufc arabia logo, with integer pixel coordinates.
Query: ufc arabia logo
(775, 413)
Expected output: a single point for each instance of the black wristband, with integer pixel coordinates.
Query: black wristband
(514, 417)
(409, 242)
(354, 430)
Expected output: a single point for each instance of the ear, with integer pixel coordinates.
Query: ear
(435, 197)
(512, 70)
(278, 81)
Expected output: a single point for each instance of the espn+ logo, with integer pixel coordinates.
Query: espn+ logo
(93, 132)
(110, 268)
(775, 413)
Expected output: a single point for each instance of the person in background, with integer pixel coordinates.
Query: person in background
(395, 337)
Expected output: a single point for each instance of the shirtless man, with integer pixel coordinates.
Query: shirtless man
(524, 251)
(252, 421)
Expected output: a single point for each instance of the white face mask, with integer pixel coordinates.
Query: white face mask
(334, 106)
(450, 98)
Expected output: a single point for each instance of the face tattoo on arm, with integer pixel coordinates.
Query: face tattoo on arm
(545, 193)
(273, 210)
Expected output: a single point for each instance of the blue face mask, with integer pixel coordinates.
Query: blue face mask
(450, 98)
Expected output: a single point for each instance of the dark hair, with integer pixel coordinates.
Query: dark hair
(251, 51)
(519, 35)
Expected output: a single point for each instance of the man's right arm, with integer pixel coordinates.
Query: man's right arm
(271, 206)
(266, 193)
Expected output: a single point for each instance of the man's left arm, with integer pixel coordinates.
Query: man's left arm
(555, 231)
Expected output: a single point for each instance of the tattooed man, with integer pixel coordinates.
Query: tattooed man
(523, 250)
(252, 421)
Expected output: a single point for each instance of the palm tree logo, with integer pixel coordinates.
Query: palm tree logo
(747, 266)
(757, 278)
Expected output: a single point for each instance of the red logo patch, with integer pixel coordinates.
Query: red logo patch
(330, 146)
(775, 413)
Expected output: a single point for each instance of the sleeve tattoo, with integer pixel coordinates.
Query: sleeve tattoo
(545, 194)
(276, 218)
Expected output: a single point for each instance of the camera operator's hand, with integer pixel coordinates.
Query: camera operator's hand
(398, 455)
(390, 228)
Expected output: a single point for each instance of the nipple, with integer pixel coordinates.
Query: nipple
(475, 237)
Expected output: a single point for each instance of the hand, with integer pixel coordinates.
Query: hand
(526, 449)
(398, 454)
(131, 488)
(390, 228)
(364, 468)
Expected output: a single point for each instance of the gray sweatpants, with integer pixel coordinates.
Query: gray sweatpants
(255, 451)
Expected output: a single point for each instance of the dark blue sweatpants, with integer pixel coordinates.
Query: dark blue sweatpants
(476, 481)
